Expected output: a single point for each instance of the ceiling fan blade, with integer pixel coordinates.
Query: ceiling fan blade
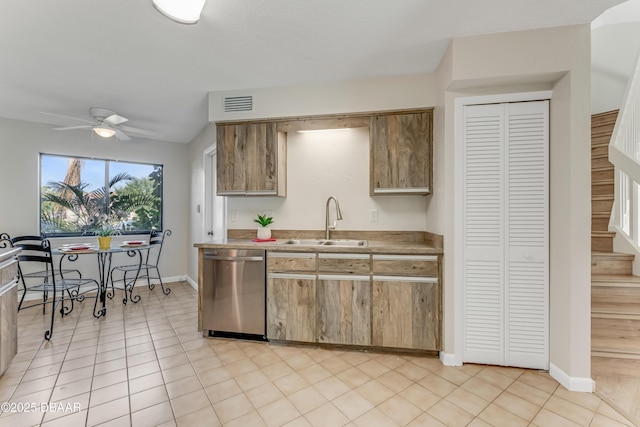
(115, 119)
(121, 135)
(66, 117)
(73, 127)
(142, 132)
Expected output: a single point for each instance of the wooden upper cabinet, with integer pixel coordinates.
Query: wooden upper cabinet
(401, 153)
(251, 160)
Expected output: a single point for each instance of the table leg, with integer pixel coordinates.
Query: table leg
(104, 266)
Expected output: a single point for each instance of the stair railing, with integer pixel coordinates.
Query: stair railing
(624, 153)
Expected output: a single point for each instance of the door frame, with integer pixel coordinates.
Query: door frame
(458, 203)
(219, 209)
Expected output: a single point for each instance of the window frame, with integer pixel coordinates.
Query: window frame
(105, 184)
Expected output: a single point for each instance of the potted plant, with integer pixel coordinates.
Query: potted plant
(264, 231)
(105, 231)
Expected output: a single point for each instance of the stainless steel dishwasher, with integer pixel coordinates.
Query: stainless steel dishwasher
(233, 293)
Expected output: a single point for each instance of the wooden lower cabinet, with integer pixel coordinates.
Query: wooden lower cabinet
(8, 313)
(406, 312)
(344, 309)
(291, 307)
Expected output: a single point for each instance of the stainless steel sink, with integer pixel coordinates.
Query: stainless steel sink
(345, 242)
(304, 242)
(324, 242)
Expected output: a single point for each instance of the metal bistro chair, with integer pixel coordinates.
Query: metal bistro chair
(149, 265)
(63, 291)
(26, 243)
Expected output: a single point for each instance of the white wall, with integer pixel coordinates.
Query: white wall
(615, 49)
(322, 164)
(203, 141)
(350, 96)
(22, 142)
(558, 58)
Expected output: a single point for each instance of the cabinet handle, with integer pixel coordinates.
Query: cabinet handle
(234, 259)
(290, 276)
(405, 258)
(343, 277)
(405, 279)
(400, 190)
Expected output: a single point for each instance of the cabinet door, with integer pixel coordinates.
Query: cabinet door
(8, 314)
(291, 307)
(344, 309)
(290, 262)
(406, 312)
(344, 263)
(230, 159)
(406, 265)
(401, 155)
(250, 159)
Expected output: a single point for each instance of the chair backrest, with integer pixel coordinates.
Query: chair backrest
(35, 255)
(5, 241)
(156, 241)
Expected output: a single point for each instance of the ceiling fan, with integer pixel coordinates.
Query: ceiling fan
(106, 123)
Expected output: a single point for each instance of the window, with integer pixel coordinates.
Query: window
(78, 195)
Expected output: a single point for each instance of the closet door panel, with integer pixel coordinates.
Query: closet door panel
(505, 229)
(484, 235)
(527, 230)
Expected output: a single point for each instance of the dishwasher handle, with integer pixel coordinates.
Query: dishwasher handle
(234, 258)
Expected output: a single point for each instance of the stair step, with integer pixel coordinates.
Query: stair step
(611, 263)
(615, 280)
(603, 181)
(614, 364)
(598, 150)
(602, 241)
(603, 187)
(615, 310)
(600, 223)
(608, 354)
(601, 203)
(602, 173)
(623, 290)
(600, 162)
(608, 234)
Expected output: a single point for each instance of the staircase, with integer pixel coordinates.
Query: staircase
(615, 292)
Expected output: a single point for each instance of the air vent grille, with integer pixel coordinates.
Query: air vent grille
(236, 104)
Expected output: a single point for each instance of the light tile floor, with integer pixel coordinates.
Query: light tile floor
(146, 364)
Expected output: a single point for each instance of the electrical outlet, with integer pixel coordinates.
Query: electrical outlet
(234, 216)
(268, 213)
(373, 215)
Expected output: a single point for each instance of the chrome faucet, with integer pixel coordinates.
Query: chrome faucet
(338, 217)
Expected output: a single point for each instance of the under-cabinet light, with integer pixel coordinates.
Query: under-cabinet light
(323, 130)
(182, 11)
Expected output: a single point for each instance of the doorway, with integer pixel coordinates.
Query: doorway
(502, 270)
(215, 207)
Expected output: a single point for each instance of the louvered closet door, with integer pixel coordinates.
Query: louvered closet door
(505, 221)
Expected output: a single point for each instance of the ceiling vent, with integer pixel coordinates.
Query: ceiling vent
(238, 104)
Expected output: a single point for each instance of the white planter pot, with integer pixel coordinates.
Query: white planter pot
(264, 233)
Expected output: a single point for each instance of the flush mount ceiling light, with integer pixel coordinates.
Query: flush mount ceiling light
(182, 11)
(104, 131)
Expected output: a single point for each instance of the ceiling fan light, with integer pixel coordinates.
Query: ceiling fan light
(104, 132)
(182, 11)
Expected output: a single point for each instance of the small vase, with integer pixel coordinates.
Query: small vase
(264, 233)
(104, 242)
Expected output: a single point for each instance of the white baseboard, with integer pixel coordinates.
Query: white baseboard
(585, 385)
(192, 282)
(449, 359)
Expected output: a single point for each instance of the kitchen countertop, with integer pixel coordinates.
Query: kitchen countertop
(8, 253)
(373, 247)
